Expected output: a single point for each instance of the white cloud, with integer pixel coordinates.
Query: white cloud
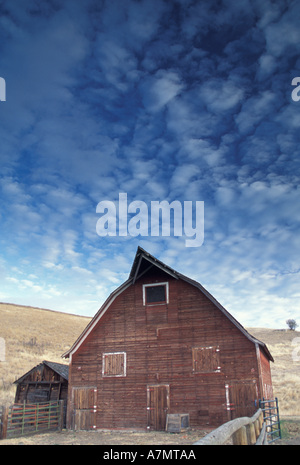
(226, 196)
(67, 202)
(289, 117)
(69, 242)
(146, 99)
(188, 116)
(221, 95)
(182, 177)
(284, 33)
(254, 110)
(118, 64)
(53, 266)
(27, 286)
(82, 271)
(268, 65)
(159, 90)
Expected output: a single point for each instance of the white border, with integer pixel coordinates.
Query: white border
(152, 285)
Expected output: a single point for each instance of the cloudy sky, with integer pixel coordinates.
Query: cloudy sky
(182, 100)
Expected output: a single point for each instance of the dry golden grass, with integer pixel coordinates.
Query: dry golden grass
(284, 346)
(33, 335)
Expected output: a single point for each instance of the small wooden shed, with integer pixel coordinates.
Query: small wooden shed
(46, 381)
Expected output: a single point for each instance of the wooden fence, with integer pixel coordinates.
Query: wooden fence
(21, 419)
(241, 431)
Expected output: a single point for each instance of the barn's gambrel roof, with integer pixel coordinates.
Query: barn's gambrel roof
(142, 263)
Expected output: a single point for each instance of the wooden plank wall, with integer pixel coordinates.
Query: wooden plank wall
(158, 341)
(266, 378)
(42, 384)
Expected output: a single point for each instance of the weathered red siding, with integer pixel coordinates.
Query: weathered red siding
(266, 379)
(159, 341)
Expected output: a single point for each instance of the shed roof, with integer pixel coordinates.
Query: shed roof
(60, 368)
(142, 263)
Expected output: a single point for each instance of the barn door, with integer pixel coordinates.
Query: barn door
(158, 404)
(243, 398)
(84, 408)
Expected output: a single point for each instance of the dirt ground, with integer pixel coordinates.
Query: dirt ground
(290, 431)
(109, 438)
(290, 427)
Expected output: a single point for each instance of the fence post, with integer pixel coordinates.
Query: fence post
(3, 428)
(240, 437)
(23, 417)
(251, 434)
(49, 414)
(261, 420)
(257, 428)
(278, 419)
(36, 417)
(61, 415)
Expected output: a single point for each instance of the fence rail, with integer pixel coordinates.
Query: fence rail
(242, 431)
(21, 419)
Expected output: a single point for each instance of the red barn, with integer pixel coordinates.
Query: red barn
(162, 344)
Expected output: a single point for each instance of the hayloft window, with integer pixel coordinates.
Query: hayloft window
(206, 360)
(114, 364)
(156, 294)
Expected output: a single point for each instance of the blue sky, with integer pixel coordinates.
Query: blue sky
(163, 100)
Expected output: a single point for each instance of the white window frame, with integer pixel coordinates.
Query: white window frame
(166, 284)
(104, 375)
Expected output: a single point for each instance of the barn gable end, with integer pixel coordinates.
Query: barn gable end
(162, 344)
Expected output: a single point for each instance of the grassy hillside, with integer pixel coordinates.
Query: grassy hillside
(33, 335)
(284, 346)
